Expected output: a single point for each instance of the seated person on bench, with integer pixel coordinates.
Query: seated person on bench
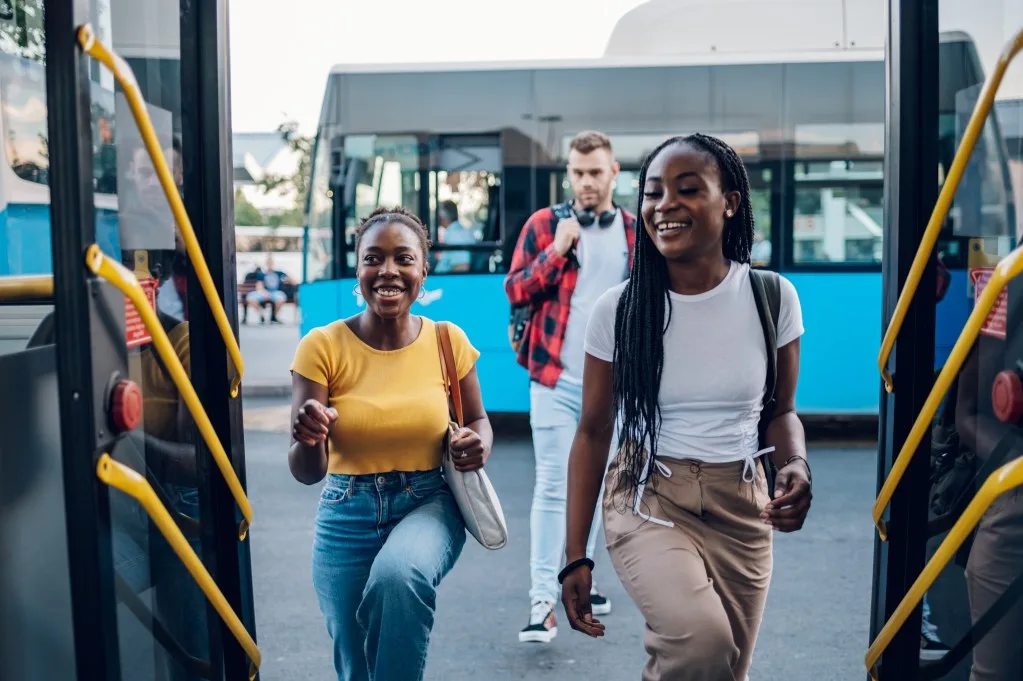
(268, 289)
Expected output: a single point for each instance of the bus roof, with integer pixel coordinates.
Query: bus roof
(709, 59)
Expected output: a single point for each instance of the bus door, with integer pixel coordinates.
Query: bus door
(125, 517)
(949, 526)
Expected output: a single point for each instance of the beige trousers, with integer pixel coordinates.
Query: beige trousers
(701, 584)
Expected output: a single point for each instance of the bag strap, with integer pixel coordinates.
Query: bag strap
(767, 295)
(449, 371)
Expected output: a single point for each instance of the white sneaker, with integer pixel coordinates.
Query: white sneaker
(543, 624)
(599, 603)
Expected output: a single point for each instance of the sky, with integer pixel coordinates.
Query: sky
(281, 52)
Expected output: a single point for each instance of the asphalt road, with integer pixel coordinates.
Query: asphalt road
(816, 626)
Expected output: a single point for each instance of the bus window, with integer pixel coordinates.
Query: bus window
(760, 201)
(464, 186)
(390, 177)
(838, 212)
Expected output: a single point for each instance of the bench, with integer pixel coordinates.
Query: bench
(246, 287)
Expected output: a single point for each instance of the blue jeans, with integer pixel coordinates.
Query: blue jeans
(553, 416)
(383, 544)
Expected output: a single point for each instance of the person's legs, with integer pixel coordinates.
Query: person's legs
(278, 298)
(738, 549)
(346, 542)
(996, 560)
(554, 415)
(181, 604)
(400, 597)
(255, 299)
(688, 635)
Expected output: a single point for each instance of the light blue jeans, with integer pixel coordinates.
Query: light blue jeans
(383, 543)
(553, 416)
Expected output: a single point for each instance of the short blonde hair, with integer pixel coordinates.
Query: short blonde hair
(590, 140)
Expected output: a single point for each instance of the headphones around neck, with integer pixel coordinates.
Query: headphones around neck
(587, 216)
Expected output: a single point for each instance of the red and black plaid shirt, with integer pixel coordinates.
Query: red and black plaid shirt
(540, 276)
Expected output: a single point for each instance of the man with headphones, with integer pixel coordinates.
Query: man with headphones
(566, 257)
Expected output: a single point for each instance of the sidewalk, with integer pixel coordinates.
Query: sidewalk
(268, 350)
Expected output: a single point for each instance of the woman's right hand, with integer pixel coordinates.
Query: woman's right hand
(313, 422)
(575, 597)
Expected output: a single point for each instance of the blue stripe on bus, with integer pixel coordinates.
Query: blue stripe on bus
(25, 243)
(838, 365)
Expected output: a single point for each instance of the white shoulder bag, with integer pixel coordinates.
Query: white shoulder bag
(476, 498)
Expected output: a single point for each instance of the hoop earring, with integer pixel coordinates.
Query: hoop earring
(422, 294)
(355, 290)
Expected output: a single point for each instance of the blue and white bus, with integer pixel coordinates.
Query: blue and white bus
(492, 138)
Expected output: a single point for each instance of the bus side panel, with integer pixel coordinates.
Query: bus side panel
(838, 353)
(25, 243)
(951, 316)
(321, 302)
(474, 302)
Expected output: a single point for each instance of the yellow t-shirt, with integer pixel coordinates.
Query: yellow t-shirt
(392, 405)
(160, 397)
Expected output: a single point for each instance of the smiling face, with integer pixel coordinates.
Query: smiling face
(391, 269)
(685, 207)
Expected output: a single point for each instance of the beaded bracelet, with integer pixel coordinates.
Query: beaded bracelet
(809, 473)
(571, 567)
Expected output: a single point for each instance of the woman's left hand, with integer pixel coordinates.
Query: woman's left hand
(787, 511)
(468, 450)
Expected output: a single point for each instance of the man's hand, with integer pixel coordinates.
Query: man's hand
(566, 235)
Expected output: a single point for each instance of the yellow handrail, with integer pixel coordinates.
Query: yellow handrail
(944, 202)
(131, 483)
(117, 274)
(1009, 268)
(1006, 478)
(30, 287)
(124, 75)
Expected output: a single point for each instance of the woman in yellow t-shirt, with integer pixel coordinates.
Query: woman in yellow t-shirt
(370, 412)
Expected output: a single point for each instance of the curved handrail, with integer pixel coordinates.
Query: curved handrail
(28, 287)
(1006, 478)
(134, 485)
(95, 48)
(1009, 268)
(117, 274)
(944, 203)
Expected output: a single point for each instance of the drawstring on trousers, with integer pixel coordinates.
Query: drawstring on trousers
(749, 474)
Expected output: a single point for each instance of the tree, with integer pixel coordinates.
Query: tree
(21, 29)
(298, 181)
(245, 214)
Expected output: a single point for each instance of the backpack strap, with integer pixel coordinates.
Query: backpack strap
(767, 295)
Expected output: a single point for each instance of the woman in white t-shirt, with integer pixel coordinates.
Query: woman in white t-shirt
(677, 354)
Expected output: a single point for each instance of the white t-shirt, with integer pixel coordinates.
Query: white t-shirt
(603, 254)
(715, 365)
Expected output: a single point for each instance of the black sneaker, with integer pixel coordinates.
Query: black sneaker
(931, 648)
(599, 603)
(543, 625)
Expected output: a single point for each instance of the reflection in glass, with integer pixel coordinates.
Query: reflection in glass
(162, 448)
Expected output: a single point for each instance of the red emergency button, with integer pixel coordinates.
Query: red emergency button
(126, 405)
(1007, 396)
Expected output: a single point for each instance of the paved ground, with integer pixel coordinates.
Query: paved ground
(268, 350)
(816, 625)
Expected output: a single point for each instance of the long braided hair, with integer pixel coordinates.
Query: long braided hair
(640, 320)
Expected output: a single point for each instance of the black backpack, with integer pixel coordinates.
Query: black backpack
(767, 294)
